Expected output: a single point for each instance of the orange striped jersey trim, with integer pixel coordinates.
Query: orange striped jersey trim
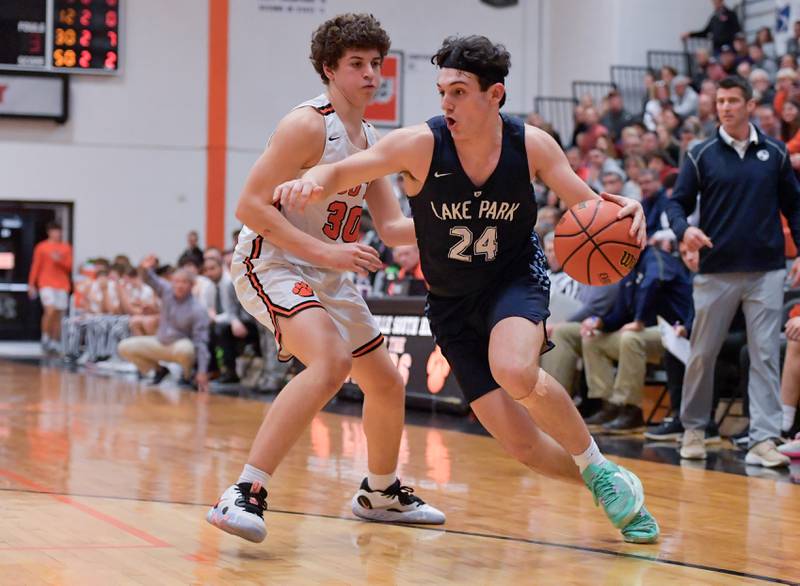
(369, 346)
(326, 109)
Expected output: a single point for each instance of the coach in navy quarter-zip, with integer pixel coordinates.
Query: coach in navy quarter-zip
(744, 179)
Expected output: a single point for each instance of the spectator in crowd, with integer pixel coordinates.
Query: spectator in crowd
(744, 69)
(667, 142)
(740, 46)
(671, 428)
(535, 119)
(685, 97)
(633, 167)
(659, 97)
(562, 362)
(599, 163)
(722, 26)
(768, 122)
(614, 182)
(691, 134)
(702, 58)
(139, 301)
(784, 87)
(50, 279)
(762, 87)
(409, 279)
(546, 219)
(182, 335)
(790, 120)
(662, 163)
(715, 74)
(193, 251)
(760, 61)
(202, 287)
(790, 383)
(728, 60)
(744, 179)
(654, 203)
(671, 121)
(592, 129)
(229, 321)
(706, 114)
(650, 144)
(668, 74)
(631, 142)
(616, 117)
(793, 44)
(629, 335)
(766, 43)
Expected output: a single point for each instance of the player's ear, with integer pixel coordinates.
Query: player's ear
(497, 91)
(329, 71)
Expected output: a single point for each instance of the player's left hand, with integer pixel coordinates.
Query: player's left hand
(794, 273)
(632, 208)
(296, 194)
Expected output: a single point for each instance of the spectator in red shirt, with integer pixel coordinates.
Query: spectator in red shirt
(49, 279)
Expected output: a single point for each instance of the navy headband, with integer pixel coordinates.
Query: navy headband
(455, 60)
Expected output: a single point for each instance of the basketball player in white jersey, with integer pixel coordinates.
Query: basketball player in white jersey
(289, 270)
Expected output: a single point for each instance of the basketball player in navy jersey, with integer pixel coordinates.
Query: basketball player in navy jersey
(289, 271)
(468, 175)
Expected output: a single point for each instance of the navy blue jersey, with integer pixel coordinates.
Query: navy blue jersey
(472, 237)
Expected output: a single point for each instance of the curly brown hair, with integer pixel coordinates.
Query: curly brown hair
(346, 31)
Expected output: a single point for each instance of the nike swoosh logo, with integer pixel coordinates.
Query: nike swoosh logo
(437, 174)
(334, 137)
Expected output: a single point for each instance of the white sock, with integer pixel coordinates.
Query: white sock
(592, 455)
(789, 413)
(252, 474)
(381, 481)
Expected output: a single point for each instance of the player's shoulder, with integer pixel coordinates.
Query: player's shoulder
(303, 122)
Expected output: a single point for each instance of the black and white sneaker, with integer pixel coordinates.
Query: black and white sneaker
(396, 504)
(240, 511)
(669, 429)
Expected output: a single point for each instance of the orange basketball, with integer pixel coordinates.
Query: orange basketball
(593, 246)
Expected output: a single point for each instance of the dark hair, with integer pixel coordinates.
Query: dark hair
(188, 260)
(53, 226)
(346, 31)
(478, 55)
(734, 81)
(119, 268)
(132, 272)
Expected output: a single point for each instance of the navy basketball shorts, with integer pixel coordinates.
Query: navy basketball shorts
(461, 327)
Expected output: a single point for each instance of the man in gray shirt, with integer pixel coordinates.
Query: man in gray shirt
(182, 334)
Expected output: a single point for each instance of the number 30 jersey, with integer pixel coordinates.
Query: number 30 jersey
(338, 217)
(473, 237)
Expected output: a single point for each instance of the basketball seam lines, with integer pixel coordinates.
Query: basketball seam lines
(589, 238)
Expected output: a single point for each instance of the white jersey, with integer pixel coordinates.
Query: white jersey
(336, 218)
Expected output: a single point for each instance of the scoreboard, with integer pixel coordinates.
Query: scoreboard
(72, 36)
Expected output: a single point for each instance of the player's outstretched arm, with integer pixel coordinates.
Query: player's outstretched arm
(393, 227)
(547, 160)
(403, 150)
(297, 144)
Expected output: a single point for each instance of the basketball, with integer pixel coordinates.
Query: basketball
(593, 246)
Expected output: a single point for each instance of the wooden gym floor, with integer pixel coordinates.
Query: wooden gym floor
(105, 481)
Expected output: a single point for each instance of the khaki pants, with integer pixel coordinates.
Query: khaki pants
(146, 352)
(632, 351)
(562, 361)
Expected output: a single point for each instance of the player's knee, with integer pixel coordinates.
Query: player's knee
(515, 374)
(125, 348)
(335, 369)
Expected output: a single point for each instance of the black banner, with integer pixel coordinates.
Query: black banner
(429, 382)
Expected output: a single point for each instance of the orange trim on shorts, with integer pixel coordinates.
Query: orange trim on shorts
(273, 309)
(368, 347)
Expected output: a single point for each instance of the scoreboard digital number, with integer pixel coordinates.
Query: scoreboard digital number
(73, 36)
